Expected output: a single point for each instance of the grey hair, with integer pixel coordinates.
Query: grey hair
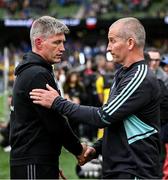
(132, 27)
(46, 26)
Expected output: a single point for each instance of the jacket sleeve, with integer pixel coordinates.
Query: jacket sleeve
(54, 123)
(131, 95)
(80, 113)
(98, 146)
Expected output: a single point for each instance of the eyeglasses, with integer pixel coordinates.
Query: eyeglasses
(155, 60)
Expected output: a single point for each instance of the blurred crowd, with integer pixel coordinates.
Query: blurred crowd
(29, 8)
(23, 7)
(90, 8)
(98, 8)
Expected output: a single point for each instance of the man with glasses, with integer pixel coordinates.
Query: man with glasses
(154, 59)
(154, 65)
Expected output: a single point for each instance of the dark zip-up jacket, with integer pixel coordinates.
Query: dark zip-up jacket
(131, 120)
(37, 134)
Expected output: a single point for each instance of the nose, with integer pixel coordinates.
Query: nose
(62, 48)
(108, 47)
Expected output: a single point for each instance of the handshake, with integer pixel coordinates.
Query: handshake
(88, 153)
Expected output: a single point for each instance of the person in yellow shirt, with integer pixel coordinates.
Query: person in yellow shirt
(103, 84)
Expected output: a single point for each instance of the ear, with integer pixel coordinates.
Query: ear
(38, 43)
(131, 43)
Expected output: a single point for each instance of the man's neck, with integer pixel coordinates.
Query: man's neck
(128, 63)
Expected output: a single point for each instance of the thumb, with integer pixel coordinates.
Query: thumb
(49, 87)
(87, 152)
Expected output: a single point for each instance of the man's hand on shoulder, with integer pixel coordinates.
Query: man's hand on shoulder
(44, 97)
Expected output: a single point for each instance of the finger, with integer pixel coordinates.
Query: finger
(36, 102)
(35, 94)
(39, 90)
(86, 153)
(81, 163)
(49, 87)
(35, 97)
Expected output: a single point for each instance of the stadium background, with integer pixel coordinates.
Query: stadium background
(88, 21)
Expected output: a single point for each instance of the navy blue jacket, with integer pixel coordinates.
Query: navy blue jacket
(131, 120)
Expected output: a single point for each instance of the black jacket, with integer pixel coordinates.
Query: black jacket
(37, 134)
(131, 120)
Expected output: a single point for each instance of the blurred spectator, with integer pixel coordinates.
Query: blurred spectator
(154, 64)
(5, 130)
(89, 79)
(12, 6)
(74, 91)
(41, 5)
(88, 70)
(101, 63)
(165, 64)
(103, 85)
(104, 82)
(74, 88)
(60, 77)
(90, 75)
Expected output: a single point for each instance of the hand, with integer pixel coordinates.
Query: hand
(44, 97)
(88, 154)
(81, 157)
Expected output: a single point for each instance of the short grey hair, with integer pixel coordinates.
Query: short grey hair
(132, 27)
(46, 26)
